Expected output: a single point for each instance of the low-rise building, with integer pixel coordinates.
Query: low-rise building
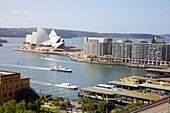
(10, 83)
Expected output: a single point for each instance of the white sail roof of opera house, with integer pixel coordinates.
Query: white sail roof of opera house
(42, 38)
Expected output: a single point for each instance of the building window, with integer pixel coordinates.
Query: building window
(4, 89)
(10, 93)
(10, 87)
(4, 95)
(4, 81)
(10, 80)
(16, 79)
(16, 86)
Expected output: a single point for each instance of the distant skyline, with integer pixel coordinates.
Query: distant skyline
(104, 16)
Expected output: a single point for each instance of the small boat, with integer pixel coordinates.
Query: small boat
(42, 57)
(61, 69)
(67, 85)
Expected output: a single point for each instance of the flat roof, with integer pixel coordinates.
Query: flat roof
(158, 70)
(127, 93)
(155, 86)
(24, 77)
(5, 73)
(164, 79)
(160, 79)
(123, 83)
(144, 78)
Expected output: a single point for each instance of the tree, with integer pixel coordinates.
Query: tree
(105, 106)
(27, 94)
(20, 107)
(10, 106)
(13, 107)
(153, 39)
(34, 106)
(89, 106)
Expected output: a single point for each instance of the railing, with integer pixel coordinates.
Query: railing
(150, 105)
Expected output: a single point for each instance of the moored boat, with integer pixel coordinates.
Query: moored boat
(67, 85)
(107, 87)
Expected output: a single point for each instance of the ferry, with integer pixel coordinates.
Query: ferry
(66, 85)
(61, 69)
(108, 87)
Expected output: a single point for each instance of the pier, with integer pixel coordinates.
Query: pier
(121, 96)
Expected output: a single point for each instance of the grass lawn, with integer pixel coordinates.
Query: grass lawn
(46, 110)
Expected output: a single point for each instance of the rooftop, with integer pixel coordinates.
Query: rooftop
(158, 70)
(24, 77)
(123, 93)
(123, 83)
(6, 72)
(144, 78)
(155, 86)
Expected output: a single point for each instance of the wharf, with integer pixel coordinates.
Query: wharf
(144, 79)
(123, 96)
(155, 86)
(123, 83)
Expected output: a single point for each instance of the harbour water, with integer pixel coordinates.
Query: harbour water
(43, 80)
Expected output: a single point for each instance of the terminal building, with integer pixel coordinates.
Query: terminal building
(129, 52)
(10, 83)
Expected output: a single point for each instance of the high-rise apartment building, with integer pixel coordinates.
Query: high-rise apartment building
(10, 83)
(121, 50)
(97, 46)
(138, 51)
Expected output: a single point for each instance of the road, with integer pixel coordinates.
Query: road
(162, 108)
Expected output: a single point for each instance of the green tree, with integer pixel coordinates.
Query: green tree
(105, 106)
(20, 107)
(13, 107)
(10, 106)
(133, 105)
(83, 101)
(34, 106)
(153, 39)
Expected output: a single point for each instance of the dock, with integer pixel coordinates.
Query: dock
(122, 96)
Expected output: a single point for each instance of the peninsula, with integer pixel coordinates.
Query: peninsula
(22, 32)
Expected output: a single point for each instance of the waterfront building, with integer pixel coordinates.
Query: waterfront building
(153, 53)
(128, 52)
(119, 96)
(138, 51)
(121, 50)
(158, 52)
(97, 46)
(10, 83)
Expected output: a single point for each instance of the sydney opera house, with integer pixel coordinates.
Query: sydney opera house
(42, 39)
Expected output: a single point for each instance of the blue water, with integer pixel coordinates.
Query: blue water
(83, 75)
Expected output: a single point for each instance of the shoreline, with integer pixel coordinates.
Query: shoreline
(74, 56)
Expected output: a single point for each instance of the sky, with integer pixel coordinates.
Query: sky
(104, 16)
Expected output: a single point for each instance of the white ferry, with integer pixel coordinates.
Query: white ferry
(67, 85)
(107, 87)
(61, 69)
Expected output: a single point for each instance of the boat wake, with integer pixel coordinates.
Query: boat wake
(41, 83)
(26, 67)
(51, 59)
